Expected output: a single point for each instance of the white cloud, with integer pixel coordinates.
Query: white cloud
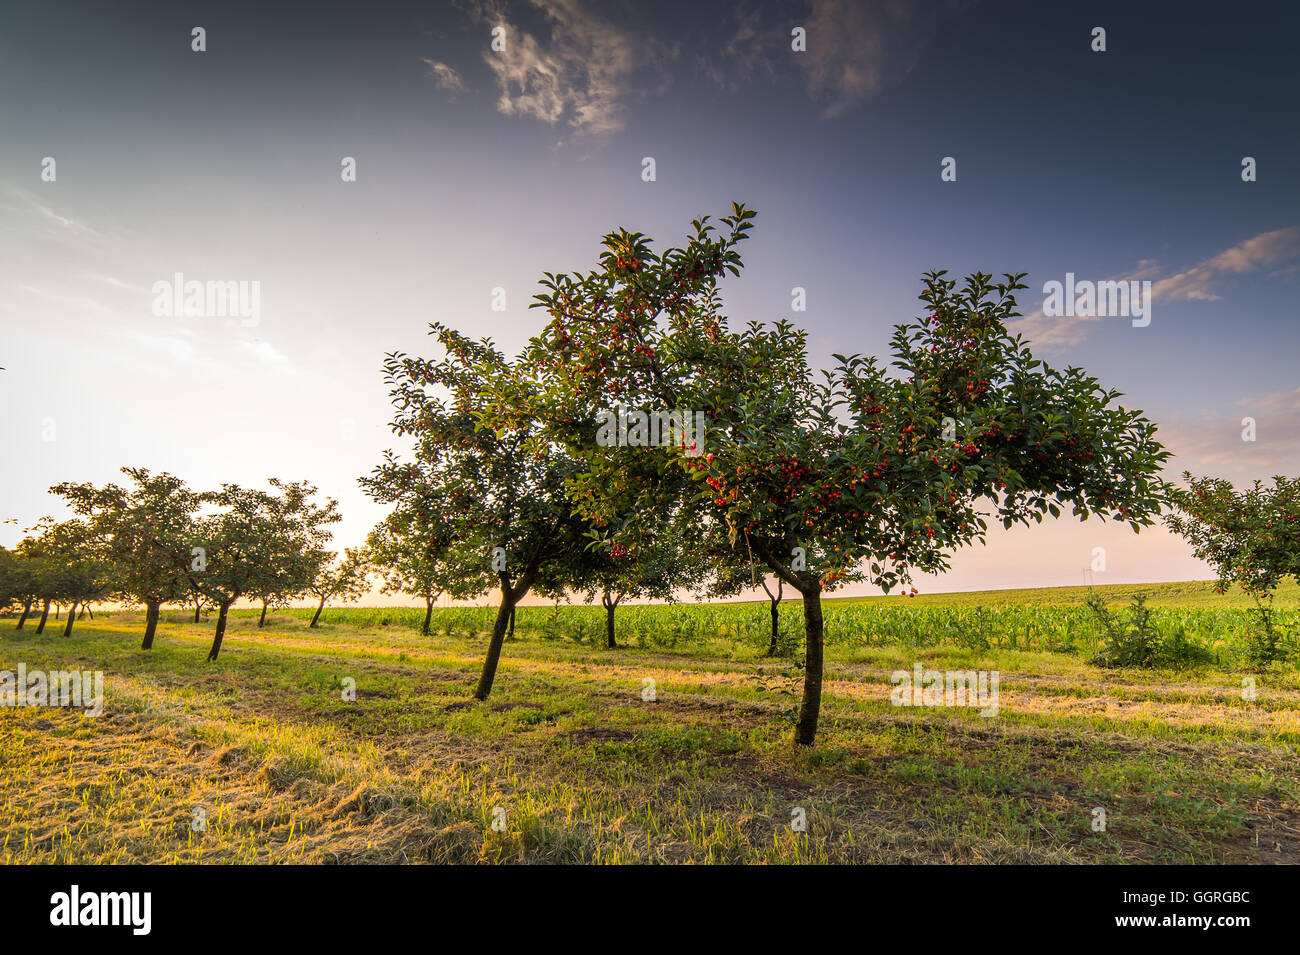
(66, 227)
(571, 67)
(117, 283)
(204, 349)
(1195, 284)
(267, 354)
(446, 77)
(1198, 283)
(578, 75)
(1287, 401)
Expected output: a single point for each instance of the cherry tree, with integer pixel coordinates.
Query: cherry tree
(478, 476)
(250, 532)
(860, 472)
(1250, 537)
(77, 568)
(147, 529)
(424, 563)
(346, 578)
(21, 571)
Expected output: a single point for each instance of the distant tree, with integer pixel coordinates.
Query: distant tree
(9, 565)
(7, 596)
(419, 557)
(20, 578)
(41, 576)
(775, 600)
(658, 566)
(279, 582)
(148, 532)
(51, 578)
(251, 531)
(276, 585)
(735, 572)
(1251, 538)
(202, 605)
(267, 598)
(478, 476)
(79, 569)
(345, 579)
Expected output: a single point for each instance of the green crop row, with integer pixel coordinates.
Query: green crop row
(1223, 636)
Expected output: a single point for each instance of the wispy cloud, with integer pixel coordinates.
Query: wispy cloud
(1287, 401)
(72, 225)
(751, 49)
(55, 223)
(117, 283)
(1213, 443)
(575, 73)
(267, 354)
(444, 76)
(854, 49)
(66, 300)
(1198, 283)
(567, 64)
(205, 350)
(857, 49)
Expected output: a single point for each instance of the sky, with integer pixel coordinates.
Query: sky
(478, 169)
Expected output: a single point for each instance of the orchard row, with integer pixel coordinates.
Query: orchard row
(813, 479)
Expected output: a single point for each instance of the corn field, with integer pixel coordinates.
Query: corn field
(1220, 635)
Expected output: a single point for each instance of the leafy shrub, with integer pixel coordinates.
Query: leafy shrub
(1137, 642)
(1266, 642)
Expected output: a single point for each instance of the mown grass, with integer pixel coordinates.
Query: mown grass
(586, 770)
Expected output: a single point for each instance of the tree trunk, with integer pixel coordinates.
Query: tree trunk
(45, 615)
(776, 614)
(198, 605)
(72, 618)
(221, 632)
(811, 707)
(428, 614)
(776, 627)
(610, 604)
(57, 608)
(150, 624)
(89, 611)
(261, 621)
(510, 633)
(27, 609)
(494, 647)
(316, 616)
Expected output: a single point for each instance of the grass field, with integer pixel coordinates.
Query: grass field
(579, 767)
